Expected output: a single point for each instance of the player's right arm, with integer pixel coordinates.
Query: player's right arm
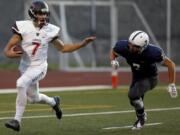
(8, 50)
(116, 52)
(114, 62)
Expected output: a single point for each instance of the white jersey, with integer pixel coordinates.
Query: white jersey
(34, 42)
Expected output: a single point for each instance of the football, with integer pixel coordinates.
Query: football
(18, 48)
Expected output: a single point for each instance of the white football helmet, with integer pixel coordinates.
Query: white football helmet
(139, 38)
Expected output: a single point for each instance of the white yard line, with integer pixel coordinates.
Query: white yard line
(59, 89)
(130, 126)
(76, 88)
(95, 113)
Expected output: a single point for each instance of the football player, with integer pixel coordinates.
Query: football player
(142, 58)
(34, 35)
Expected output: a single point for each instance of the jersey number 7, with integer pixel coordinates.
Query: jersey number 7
(36, 46)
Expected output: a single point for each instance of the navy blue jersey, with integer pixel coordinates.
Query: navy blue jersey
(144, 64)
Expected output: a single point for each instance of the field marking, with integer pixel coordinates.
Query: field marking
(65, 108)
(95, 113)
(76, 88)
(62, 89)
(28, 110)
(130, 126)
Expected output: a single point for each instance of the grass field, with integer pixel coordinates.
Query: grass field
(97, 112)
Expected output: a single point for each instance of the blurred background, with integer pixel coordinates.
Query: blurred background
(109, 20)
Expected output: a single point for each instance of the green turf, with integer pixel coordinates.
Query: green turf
(80, 102)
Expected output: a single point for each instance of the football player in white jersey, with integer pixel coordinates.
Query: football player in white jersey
(34, 36)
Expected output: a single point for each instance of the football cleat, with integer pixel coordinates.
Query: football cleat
(13, 124)
(140, 122)
(57, 108)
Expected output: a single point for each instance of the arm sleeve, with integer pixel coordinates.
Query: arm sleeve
(159, 56)
(56, 37)
(55, 33)
(120, 48)
(15, 30)
(116, 49)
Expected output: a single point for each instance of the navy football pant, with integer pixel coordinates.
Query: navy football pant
(137, 90)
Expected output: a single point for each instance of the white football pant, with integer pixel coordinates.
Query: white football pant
(28, 89)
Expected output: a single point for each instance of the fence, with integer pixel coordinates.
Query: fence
(109, 20)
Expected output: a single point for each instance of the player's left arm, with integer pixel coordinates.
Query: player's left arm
(70, 47)
(172, 76)
(159, 56)
(171, 69)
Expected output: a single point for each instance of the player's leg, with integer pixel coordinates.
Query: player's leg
(21, 101)
(136, 95)
(29, 75)
(35, 97)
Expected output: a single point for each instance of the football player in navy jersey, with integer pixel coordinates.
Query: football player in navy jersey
(142, 58)
(34, 36)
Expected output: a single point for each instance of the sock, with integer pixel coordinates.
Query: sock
(21, 101)
(140, 112)
(45, 99)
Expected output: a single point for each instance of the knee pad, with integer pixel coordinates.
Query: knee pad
(23, 81)
(30, 100)
(33, 99)
(137, 103)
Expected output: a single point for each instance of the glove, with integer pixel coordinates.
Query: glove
(172, 90)
(114, 64)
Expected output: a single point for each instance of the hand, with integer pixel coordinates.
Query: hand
(11, 53)
(172, 90)
(115, 64)
(88, 40)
